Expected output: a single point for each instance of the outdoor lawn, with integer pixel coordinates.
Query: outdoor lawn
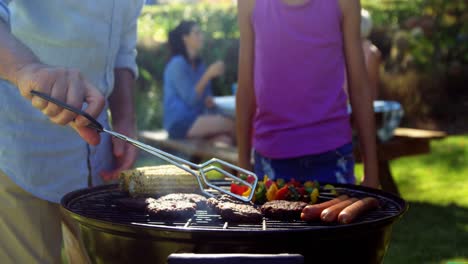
(435, 228)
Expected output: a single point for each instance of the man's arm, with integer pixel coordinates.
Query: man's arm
(359, 92)
(245, 96)
(121, 104)
(21, 67)
(121, 101)
(13, 54)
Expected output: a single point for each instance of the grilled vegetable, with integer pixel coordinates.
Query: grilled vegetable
(279, 189)
(155, 181)
(282, 193)
(314, 196)
(238, 189)
(280, 183)
(260, 193)
(271, 192)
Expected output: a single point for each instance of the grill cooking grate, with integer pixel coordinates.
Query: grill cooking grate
(100, 204)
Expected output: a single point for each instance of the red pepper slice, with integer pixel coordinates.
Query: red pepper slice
(294, 182)
(250, 179)
(282, 194)
(238, 189)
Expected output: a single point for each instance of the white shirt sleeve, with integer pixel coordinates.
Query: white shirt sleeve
(126, 57)
(4, 11)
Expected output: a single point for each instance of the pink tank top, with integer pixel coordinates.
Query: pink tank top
(299, 77)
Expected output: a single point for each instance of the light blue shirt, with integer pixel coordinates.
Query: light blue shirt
(92, 36)
(182, 105)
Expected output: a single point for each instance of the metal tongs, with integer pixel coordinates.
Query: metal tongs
(197, 170)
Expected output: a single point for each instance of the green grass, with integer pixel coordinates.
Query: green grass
(435, 228)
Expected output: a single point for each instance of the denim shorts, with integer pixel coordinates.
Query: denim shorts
(335, 166)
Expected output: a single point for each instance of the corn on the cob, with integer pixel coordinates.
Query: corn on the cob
(156, 181)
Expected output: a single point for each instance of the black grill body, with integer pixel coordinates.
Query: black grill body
(112, 235)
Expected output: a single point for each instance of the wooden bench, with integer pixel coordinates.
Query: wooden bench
(405, 142)
(195, 150)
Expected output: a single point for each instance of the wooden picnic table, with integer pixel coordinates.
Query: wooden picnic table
(405, 142)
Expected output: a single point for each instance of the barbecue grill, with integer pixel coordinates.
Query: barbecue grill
(114, 235)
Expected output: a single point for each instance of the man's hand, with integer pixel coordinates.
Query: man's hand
(65, 85)
(125, 154)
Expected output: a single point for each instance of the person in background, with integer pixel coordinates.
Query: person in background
(372, 55)
(291, 108)
(82, 53)
(189, 111)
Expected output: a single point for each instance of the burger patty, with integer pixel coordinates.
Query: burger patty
(232, 210)
(198, 199)
(171, 206)
(171, 210)
(282, 209)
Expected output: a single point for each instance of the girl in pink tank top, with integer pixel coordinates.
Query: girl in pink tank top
(290, 105)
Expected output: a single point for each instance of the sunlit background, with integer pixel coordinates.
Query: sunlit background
(425, 49)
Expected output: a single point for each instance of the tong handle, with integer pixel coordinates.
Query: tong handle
(94, 123)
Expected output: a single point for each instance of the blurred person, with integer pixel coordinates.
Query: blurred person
(189, 110)
(291, 108)
(82, 53)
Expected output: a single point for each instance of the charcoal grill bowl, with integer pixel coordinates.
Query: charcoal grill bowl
(114, 242)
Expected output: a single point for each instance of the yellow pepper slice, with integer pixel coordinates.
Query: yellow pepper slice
(271, 193)
(314, 196)
(331, 188)
(247, 193)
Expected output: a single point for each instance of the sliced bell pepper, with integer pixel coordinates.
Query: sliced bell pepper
(280, 182)
(309, 189)
(303, 194)
(314, 196)
(271, 192)
(238, 189)
(268, 183)
(260, 193)
(247, 193)
(294, 194)
(331, 188)
(294, 182)
(283, 193)
(316, 184)
(309, 184)
(250, 179)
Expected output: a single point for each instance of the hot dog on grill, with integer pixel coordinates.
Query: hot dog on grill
(330, 214)
(350, 213)
(312, 212)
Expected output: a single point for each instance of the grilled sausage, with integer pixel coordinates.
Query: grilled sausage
(350, 213)
(312, 211)
(330, 214)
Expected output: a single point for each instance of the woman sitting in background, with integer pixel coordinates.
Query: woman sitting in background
(189, 110)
